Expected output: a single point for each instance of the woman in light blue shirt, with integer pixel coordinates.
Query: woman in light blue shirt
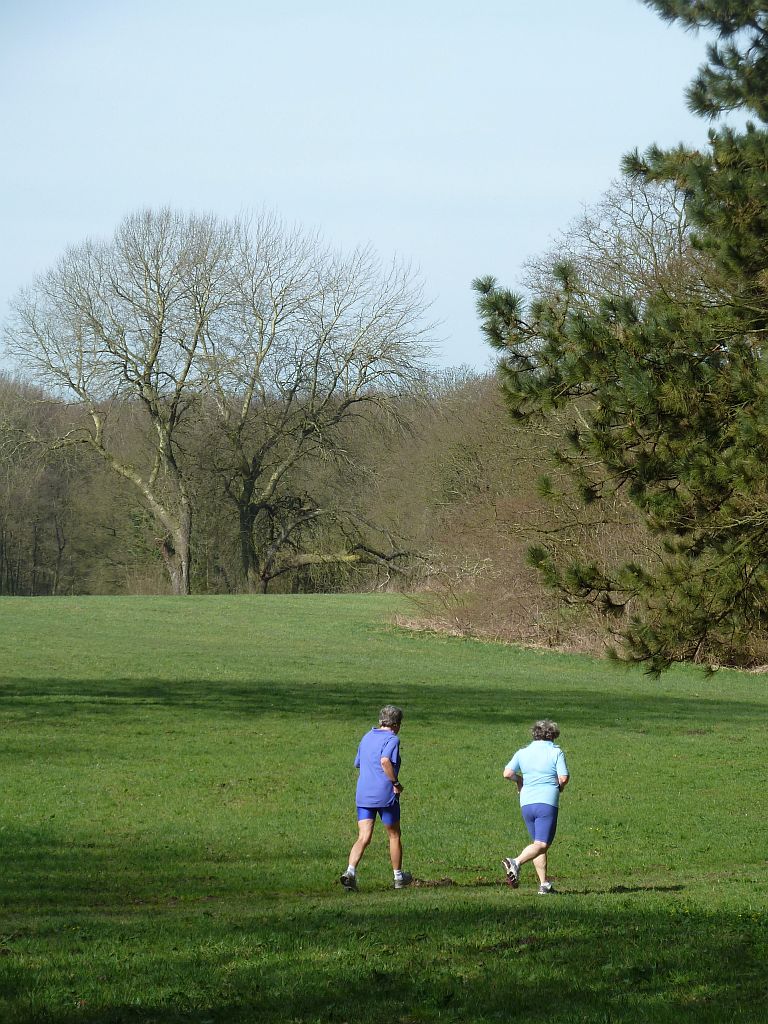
(540, 773)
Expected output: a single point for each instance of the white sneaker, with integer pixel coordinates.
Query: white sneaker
(512, 871)
(546, 888)
(349, 882)
(401, 883)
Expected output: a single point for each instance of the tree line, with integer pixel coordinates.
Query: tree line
(191, 355)
(420, 481)
(407, 498)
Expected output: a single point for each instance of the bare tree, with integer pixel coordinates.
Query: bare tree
(316, 338)
(633, 242)
(117, 326)
(257, 332)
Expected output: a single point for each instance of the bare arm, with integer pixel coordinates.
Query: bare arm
(389, 771)
(514, 777)
(562, 781)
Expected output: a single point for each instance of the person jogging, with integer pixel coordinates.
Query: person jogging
(540, 773)
(378, 793)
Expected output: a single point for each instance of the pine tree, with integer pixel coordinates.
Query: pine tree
(672, 391)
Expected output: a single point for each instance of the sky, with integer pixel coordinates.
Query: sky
(459, 137)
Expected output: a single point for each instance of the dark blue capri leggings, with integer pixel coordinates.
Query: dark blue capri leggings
(541, 822)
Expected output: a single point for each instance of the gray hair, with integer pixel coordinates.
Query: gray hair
(545, 729)
(390, 716)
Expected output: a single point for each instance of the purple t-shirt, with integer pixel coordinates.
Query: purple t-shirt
(374, 789)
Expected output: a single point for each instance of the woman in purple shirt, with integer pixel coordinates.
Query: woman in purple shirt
(378, 792)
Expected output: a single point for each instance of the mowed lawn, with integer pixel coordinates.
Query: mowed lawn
(178, 802)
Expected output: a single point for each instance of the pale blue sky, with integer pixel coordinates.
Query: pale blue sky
(460, 136)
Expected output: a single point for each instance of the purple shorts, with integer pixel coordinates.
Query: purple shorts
(390, 815)
(541, 821)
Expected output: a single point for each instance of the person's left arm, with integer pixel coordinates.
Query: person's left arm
(389, 771)
(390, 762)
(563, 777)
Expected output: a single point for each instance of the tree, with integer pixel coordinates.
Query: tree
(192, 346)
(37, 506)
(634, 241)
(117, 327)
(318, 340)
(668, 389)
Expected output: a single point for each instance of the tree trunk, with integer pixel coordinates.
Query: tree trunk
(177, 566)
(175, 549)
(61, 543)
(249, 558)
(33, 574)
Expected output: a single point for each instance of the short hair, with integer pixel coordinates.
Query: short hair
(545, 729)
(390, 716)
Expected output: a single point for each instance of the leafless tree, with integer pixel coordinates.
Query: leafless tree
(258, 331)
(120, 324)
(634, 241)
(316, 338)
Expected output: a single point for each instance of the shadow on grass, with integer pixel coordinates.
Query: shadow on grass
(45, 873)
(415, 957)
(129, 933)
(617, 890)
(427, 703)
(614, 890)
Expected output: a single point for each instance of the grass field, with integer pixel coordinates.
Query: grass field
(177, 804)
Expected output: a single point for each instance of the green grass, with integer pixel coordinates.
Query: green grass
(177, 804)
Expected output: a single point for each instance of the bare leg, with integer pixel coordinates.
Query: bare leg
(395, 846)
(540, 863)
(365, 832)
(532, 852)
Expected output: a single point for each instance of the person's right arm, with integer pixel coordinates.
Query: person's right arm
(392, 746)
(389, 770)
(512, 772)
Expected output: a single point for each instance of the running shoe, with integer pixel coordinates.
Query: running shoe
(349, 882)
(401, 883)
(546, 888)
(512, 871)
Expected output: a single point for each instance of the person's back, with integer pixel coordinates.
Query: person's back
(540, 764)
(374, 788)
